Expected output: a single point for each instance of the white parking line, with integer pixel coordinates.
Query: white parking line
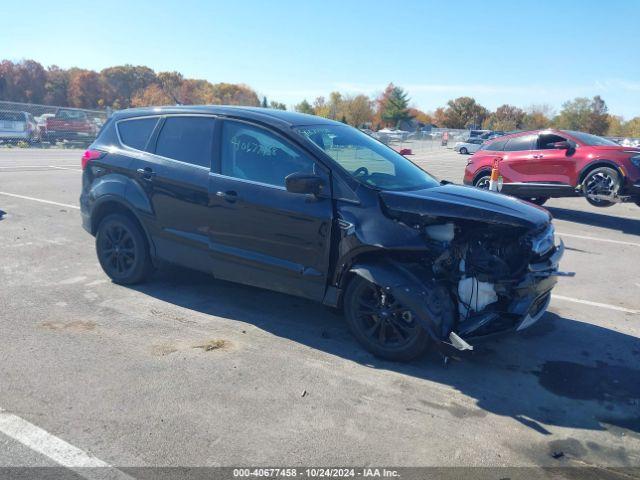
(56, 449)
(24, 197)
(596, 304)
(598, 239)
(66, 168)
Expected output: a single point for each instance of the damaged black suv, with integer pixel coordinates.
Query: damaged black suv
(311, 207)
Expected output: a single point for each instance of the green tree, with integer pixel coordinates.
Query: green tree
(304, 107)
(464, 112)
(393, 106)
(264, 103)
(585, 115)
(277, 105)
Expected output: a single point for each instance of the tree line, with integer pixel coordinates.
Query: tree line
(127, 86)
(116, 87)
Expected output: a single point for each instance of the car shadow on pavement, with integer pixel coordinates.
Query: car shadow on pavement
(561, 371)
(612, 222)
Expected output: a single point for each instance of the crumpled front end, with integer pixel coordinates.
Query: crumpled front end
(474, 278)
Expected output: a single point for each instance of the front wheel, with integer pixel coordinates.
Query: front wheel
(483, 181)
(464, 151)
(381, 324)
(538, 200)
(603, 181)
(122, 250)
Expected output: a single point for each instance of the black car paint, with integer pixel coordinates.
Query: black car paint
(262, 235)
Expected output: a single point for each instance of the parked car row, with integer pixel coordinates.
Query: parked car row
(70, 125)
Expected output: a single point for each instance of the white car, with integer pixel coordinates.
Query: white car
(471, 145)
(393, 134)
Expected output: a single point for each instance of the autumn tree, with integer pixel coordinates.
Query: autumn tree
(464, 112)
(358, 110)
(304, 107)
(321, 108)
(152, 95)
(85, 89)
(124, 81)
(538, 116)
(420, 116)
(505, 118)
(393, 106)
(235, 94)
(440, 117)
(56, 86)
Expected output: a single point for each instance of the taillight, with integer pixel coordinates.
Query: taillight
(89, 155)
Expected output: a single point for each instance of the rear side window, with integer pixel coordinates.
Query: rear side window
(495, 146)
(525, 142)
(188, 139)
(136, 133)
(12, 116)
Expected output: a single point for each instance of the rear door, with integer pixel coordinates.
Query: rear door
(517, 159)
(264, 235)
(174, 176)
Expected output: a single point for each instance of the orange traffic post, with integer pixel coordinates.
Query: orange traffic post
(495, 181)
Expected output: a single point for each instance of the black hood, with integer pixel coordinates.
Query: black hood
(469, 203)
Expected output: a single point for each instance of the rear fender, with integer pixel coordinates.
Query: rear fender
(412, 287)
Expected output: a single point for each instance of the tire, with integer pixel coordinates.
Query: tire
(122, 250)
(380, 328)
(538, 200)
(601, 180)
(482, 181)
(464, 151)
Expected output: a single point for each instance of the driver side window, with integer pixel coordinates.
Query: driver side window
(255, 154)
(546, 141)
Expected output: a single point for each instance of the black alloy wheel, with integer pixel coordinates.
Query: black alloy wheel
(122, 250)
(381, 324)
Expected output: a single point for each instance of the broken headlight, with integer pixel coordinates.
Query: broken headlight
(544, 241)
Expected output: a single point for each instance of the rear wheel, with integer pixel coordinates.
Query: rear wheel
(381, 324)
(122, 250)
(601, 181)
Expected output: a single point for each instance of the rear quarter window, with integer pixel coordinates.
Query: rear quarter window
(495, 146)
(524, 142)
(135, 133)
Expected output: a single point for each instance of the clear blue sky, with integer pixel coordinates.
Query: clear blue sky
(498, 52)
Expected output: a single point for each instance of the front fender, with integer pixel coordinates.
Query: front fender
(412, 286)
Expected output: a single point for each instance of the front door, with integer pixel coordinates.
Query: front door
(262, 234)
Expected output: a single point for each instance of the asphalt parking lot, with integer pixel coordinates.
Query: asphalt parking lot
(124, 376)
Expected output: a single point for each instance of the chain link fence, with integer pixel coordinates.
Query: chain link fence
(26, 125)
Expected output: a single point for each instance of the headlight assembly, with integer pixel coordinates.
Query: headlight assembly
(545, 241)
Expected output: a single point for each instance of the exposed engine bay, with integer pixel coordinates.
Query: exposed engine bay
(493, 277)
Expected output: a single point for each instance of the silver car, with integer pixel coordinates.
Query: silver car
(18, 126)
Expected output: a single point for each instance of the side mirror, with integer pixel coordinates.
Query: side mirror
(301, 182)
(564, 145)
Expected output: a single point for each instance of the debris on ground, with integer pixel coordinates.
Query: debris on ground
(304, 393)
(212, 345)
(557, 455)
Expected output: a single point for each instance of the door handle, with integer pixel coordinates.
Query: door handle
(230, 195)
(537, 156)
(146, 173)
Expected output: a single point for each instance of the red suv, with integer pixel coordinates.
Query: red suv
(540, 164)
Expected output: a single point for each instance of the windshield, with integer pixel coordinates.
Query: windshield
(592, 140)
(367, 160)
